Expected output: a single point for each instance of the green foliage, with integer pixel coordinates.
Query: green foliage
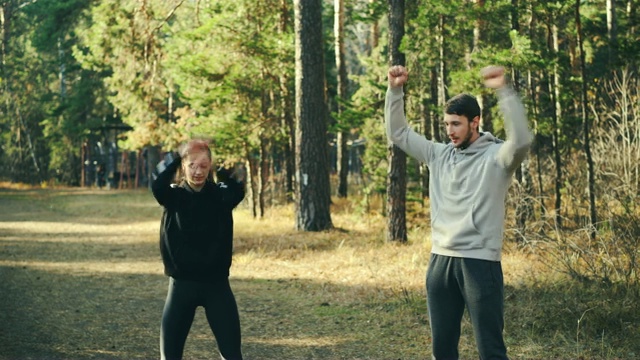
(369, 101)
(125, 41)
(223, 69)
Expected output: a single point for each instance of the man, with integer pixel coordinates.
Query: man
(468, 183)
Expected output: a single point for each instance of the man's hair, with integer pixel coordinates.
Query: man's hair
(463, 105)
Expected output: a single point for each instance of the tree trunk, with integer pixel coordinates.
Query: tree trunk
(252, 172)
(84, 156)
(341, 66)
(427, 119)
(515, 24)
(397, 175)
(313, 193)
(536, 144)
(484, 100)
(138, 160)
(533, 95)
(631, 15)
(263, 177)
(436, 103)
(288, 124)
(612, 31)
(524, 209)
(442, 67)
(287, 117)
(374, 35)
(585, 126)
(557, 115)
(62, 70)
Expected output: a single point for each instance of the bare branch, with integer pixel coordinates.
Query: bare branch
(169, 15)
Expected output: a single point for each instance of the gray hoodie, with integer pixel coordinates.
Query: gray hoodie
(467, 187)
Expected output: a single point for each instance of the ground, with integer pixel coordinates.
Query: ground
(81, 278)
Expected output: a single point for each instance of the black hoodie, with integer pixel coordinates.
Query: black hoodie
(196, 231)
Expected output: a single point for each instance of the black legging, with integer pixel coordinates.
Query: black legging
(220, 307)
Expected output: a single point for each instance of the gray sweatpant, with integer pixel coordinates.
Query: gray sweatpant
(452, 284)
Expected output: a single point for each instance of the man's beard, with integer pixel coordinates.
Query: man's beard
(467, 141)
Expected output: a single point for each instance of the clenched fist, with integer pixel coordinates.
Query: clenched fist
(397, 75)
(493, 76)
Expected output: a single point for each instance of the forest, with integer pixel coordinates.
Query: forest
(94, 92)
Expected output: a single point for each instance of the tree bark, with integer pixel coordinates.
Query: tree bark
(556, 115)
(263, 177)
(341, 66)
(585, 126)
(313, 195)
(484, 100)
(251, 181)
(397, 173)
(437, 103)
(427, 120)
(374, 35)
(524, 209)
(442, 67)
(287, 118)
(612, 31)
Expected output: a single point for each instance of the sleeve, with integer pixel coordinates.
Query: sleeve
(519, 138)
(165, 172)
(401, 134)
(232, 192)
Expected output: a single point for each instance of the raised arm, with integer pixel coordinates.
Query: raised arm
(519, 138)
(398, 130)
(231, 184)
(165, 172)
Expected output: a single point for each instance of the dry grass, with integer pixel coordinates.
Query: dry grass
(82, 279)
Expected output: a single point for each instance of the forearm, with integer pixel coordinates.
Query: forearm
(398, 130)
(238, 192)
(233, 192)
(519, 137)
(164, 176)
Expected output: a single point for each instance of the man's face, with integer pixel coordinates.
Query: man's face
(196, 168)
(460, 130)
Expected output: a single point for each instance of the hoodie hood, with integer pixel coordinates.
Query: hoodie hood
(485, 140)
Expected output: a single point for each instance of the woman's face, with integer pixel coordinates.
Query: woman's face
(196, 167)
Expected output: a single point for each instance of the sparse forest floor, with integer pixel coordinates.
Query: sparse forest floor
(81, 278)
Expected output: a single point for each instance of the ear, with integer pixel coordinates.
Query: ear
(475, 123)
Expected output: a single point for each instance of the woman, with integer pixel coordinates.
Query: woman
(196, 241)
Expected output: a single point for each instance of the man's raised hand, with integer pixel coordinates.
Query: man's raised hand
(493, 76)
(397, 76)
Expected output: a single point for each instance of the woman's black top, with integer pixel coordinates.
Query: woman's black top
(196, 231)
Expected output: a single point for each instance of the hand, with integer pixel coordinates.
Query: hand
(223, 174)
(493, 76)
(182, 150)
(397, 75)
(239, 173)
